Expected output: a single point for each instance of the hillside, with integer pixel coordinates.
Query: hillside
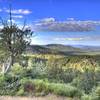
(63, 49)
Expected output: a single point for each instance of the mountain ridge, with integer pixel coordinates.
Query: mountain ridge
(61, 49)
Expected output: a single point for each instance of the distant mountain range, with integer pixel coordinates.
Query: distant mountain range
(89, 48)
(63, 49)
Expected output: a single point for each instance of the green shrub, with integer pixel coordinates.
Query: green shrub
(76, 82)
(96, 93)
(2, 80)
(41, 87)
(6, 86)
(68, 75)
(18, 70)
(86, 97)
(97, 76)
(85, 81)
(27, 87)
(39, 71)
(20, 92)
(65, 90)
(58, 72)
(58, 89)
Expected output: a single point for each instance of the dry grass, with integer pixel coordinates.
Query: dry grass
(49, 97)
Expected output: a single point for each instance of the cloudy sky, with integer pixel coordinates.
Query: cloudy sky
(69, 22)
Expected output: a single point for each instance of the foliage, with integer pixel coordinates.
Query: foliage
(86, 97)
(96, 93)
(52, 74)
(13, 41)
(44, 87)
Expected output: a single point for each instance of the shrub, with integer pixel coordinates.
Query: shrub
(86, 97)
(97, 76)
(38, 71)
(27, 87)
(96, 93)
(65, 90)
(2, 80)
(58, 89)
(17, 70)
(20, 92)
(41, 87)
(68, 75)
(7, 85)
(85, 81)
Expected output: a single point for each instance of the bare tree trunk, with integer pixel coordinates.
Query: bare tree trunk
(3, 68)
(7, 65)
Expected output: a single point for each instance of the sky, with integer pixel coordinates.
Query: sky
(69, 22)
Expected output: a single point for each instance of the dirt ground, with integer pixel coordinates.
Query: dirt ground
(49, 97)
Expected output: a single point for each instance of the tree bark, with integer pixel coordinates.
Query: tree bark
(7, 65)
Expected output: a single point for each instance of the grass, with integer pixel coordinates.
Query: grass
(41, 87)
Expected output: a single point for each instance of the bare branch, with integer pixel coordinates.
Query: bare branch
(24, 25)
(10, 14)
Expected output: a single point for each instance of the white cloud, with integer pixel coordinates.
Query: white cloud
(19, 11)
(51, 19)
(70, 25)
(69, 39)
(74, 39)
(17, 16)
(13, 21)
(70, 19)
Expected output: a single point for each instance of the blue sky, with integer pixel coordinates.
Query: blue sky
(68, 22)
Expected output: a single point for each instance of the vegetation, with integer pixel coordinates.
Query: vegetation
(54, 74)
(44, 72)
(13, 42)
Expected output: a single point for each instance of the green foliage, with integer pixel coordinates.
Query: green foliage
(13, 39)
(43, 77)
(96, 93)
(69, 74)
(20, 92)
(56, 88)
(86, 81)
(2, 80)
(13, 42)
(39, 70)
(17, 70)
(86, 97)
(8, 85)
(57, 70)
(65, 90)
(43, 87)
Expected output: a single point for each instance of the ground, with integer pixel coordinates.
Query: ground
(49, 97)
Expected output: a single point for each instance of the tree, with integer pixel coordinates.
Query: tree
(13, 42)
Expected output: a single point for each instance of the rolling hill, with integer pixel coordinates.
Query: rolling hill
(63, 49)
